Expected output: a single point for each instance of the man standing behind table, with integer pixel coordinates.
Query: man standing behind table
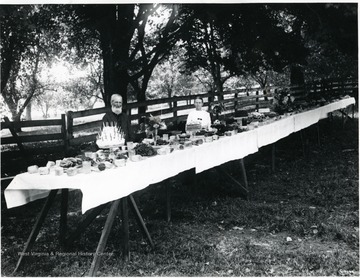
(199, 116)
(117, 116)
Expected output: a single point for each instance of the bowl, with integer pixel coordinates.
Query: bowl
(135, 158)
(120, 162)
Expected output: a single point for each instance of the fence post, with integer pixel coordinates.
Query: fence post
(211, 97)
(342, 87)
(14, 134)
(63, 133)
(236, 101)
(175, 113)
(69, 127)
(257, 100)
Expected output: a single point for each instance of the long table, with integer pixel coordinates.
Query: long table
(99, 188)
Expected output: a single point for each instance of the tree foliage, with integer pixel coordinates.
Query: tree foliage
(30, 36)
(242, 40)
(139, 46)
(129, 50)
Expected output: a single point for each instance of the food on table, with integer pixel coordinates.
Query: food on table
(135, 158)
(201, 132)
(102, 166)
(161, 151)
(165, 150)
(91, 160)
(110, 136)
(86, 167)
(120, 162)
(50, 164)
(193, 127)
(145, 150)
(187, 144)
(59, 171)
(120, 156)
(108, 164)
(197, 141)
(44, 170)
(72, 171)
(70, 162)
(148, 141)
(33, 169)
(161, 142)
(183, 137)
(205, 132)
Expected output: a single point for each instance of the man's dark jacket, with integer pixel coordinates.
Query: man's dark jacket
(122, 121)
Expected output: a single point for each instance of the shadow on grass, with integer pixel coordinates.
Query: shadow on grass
(302, 220)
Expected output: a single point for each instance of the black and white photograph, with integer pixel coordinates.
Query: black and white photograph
(179, 139)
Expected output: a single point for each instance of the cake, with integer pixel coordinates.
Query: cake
(110, 136)
(193, 127)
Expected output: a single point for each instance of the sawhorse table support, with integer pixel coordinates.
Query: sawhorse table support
(123, 202)
(85, 223)
(35, 231)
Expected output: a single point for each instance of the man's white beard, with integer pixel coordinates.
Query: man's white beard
(116, 110)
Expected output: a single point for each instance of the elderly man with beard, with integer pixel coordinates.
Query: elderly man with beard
(116, 116)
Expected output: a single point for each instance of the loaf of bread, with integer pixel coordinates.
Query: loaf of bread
(44, 170)
(33, 169)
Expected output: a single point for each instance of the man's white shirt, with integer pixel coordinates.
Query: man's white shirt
(199, 117)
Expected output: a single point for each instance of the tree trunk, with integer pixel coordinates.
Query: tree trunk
(115, 42)
(28, 112)
(296, 75)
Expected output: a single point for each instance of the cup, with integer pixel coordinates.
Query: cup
(131, 153)
(130, 145)
(88, 154)
(59, 171)
(244, 121)
(86, 165)
(166, 137)
(120, 162)
(123, 148)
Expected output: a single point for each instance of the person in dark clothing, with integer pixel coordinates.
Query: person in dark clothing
(118, 118)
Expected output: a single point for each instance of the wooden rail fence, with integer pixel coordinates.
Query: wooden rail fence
(75, 128)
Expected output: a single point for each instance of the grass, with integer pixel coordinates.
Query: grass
(302, 220)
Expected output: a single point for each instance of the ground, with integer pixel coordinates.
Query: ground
(302, 220)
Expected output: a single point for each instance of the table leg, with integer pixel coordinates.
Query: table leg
(273, 152)
(104, 237)
(84, 224)
(243, 173)
(37, 226)
(242, 187)
(168, 202)
(63, 215)
(140, 220)
(125, 228)
(302, 142)
(318, 133)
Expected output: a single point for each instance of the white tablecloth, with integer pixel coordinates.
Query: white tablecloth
(274, 131)
(101, 187)
(209, 155)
